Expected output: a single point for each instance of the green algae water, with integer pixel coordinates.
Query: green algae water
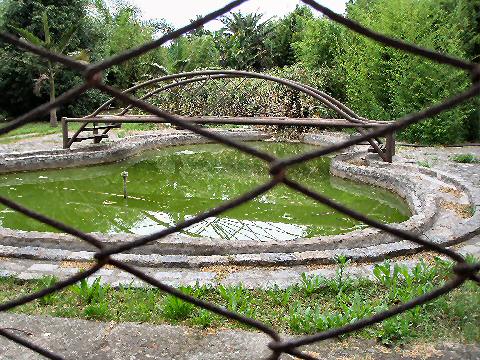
(172, 184)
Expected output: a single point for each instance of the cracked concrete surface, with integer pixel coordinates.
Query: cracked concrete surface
(81, 339)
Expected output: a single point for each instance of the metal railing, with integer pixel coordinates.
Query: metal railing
(278, 170)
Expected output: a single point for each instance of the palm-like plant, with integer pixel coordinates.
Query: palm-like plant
(244, 40)
(49, 69)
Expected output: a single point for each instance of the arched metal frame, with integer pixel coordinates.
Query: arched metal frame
(348, 118)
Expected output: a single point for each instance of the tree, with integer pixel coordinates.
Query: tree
(123, 29)
(193, 52)
(285, 32)
(383, 83)
(242, 41)
(19, 69)
(49, 70)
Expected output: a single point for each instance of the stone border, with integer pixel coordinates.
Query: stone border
(211, 276)
(110, 152)
(182, 251)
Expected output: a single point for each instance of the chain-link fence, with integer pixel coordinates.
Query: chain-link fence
(278, 170)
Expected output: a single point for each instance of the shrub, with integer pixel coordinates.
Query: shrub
(382, 83)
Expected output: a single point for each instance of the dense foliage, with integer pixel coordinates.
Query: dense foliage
(375, 81)
(18, 70)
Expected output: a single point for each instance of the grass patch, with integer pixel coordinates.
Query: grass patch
(40, 128)
(424, 163)
(316, 304)
(139, 127)
(35, 129)
(128, 128)
(465, 158)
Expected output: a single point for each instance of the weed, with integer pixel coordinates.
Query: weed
(280, 297)
(96, 311)
(174, 308)
(304, 320)
(424, 163)
(355, 308)
(311, 283)
(300, 319)
(383, 274)
(235, 296)
(90, 294)
(471, 259)
(204, 318)
(46, 282)
(396, 329)
(138, 304)
(341, 282)
(329, 304)
(465, 158)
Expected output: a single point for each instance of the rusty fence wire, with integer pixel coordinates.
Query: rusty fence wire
(278, 170)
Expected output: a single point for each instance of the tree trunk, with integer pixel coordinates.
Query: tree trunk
(53, 112)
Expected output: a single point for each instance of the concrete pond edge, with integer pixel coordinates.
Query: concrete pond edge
(412, 183)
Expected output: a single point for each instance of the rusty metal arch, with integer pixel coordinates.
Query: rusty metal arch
(183, 79)
(195, 76)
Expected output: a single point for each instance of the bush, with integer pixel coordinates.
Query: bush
(382, 83)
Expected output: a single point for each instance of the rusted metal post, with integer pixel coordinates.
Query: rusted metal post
(125, 176)
(65, 132)
(390, 146)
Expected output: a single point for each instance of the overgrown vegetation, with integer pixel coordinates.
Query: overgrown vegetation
(316, 304)
(377, 82)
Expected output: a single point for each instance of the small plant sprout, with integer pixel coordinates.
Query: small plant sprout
(46, 282)
(311, 283)
(342, 262)
(90, 294)
(176, 309)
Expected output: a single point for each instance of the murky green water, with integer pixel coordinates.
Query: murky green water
(169, 185)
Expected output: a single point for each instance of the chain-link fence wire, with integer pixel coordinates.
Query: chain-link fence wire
(463, 271)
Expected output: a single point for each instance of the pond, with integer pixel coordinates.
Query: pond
(169, 185)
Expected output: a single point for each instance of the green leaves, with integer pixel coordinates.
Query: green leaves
(28, 36)
(243, 41)
(62, 44)
(90, 294)
(81, 55)
(66, 38)
(46, 30)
